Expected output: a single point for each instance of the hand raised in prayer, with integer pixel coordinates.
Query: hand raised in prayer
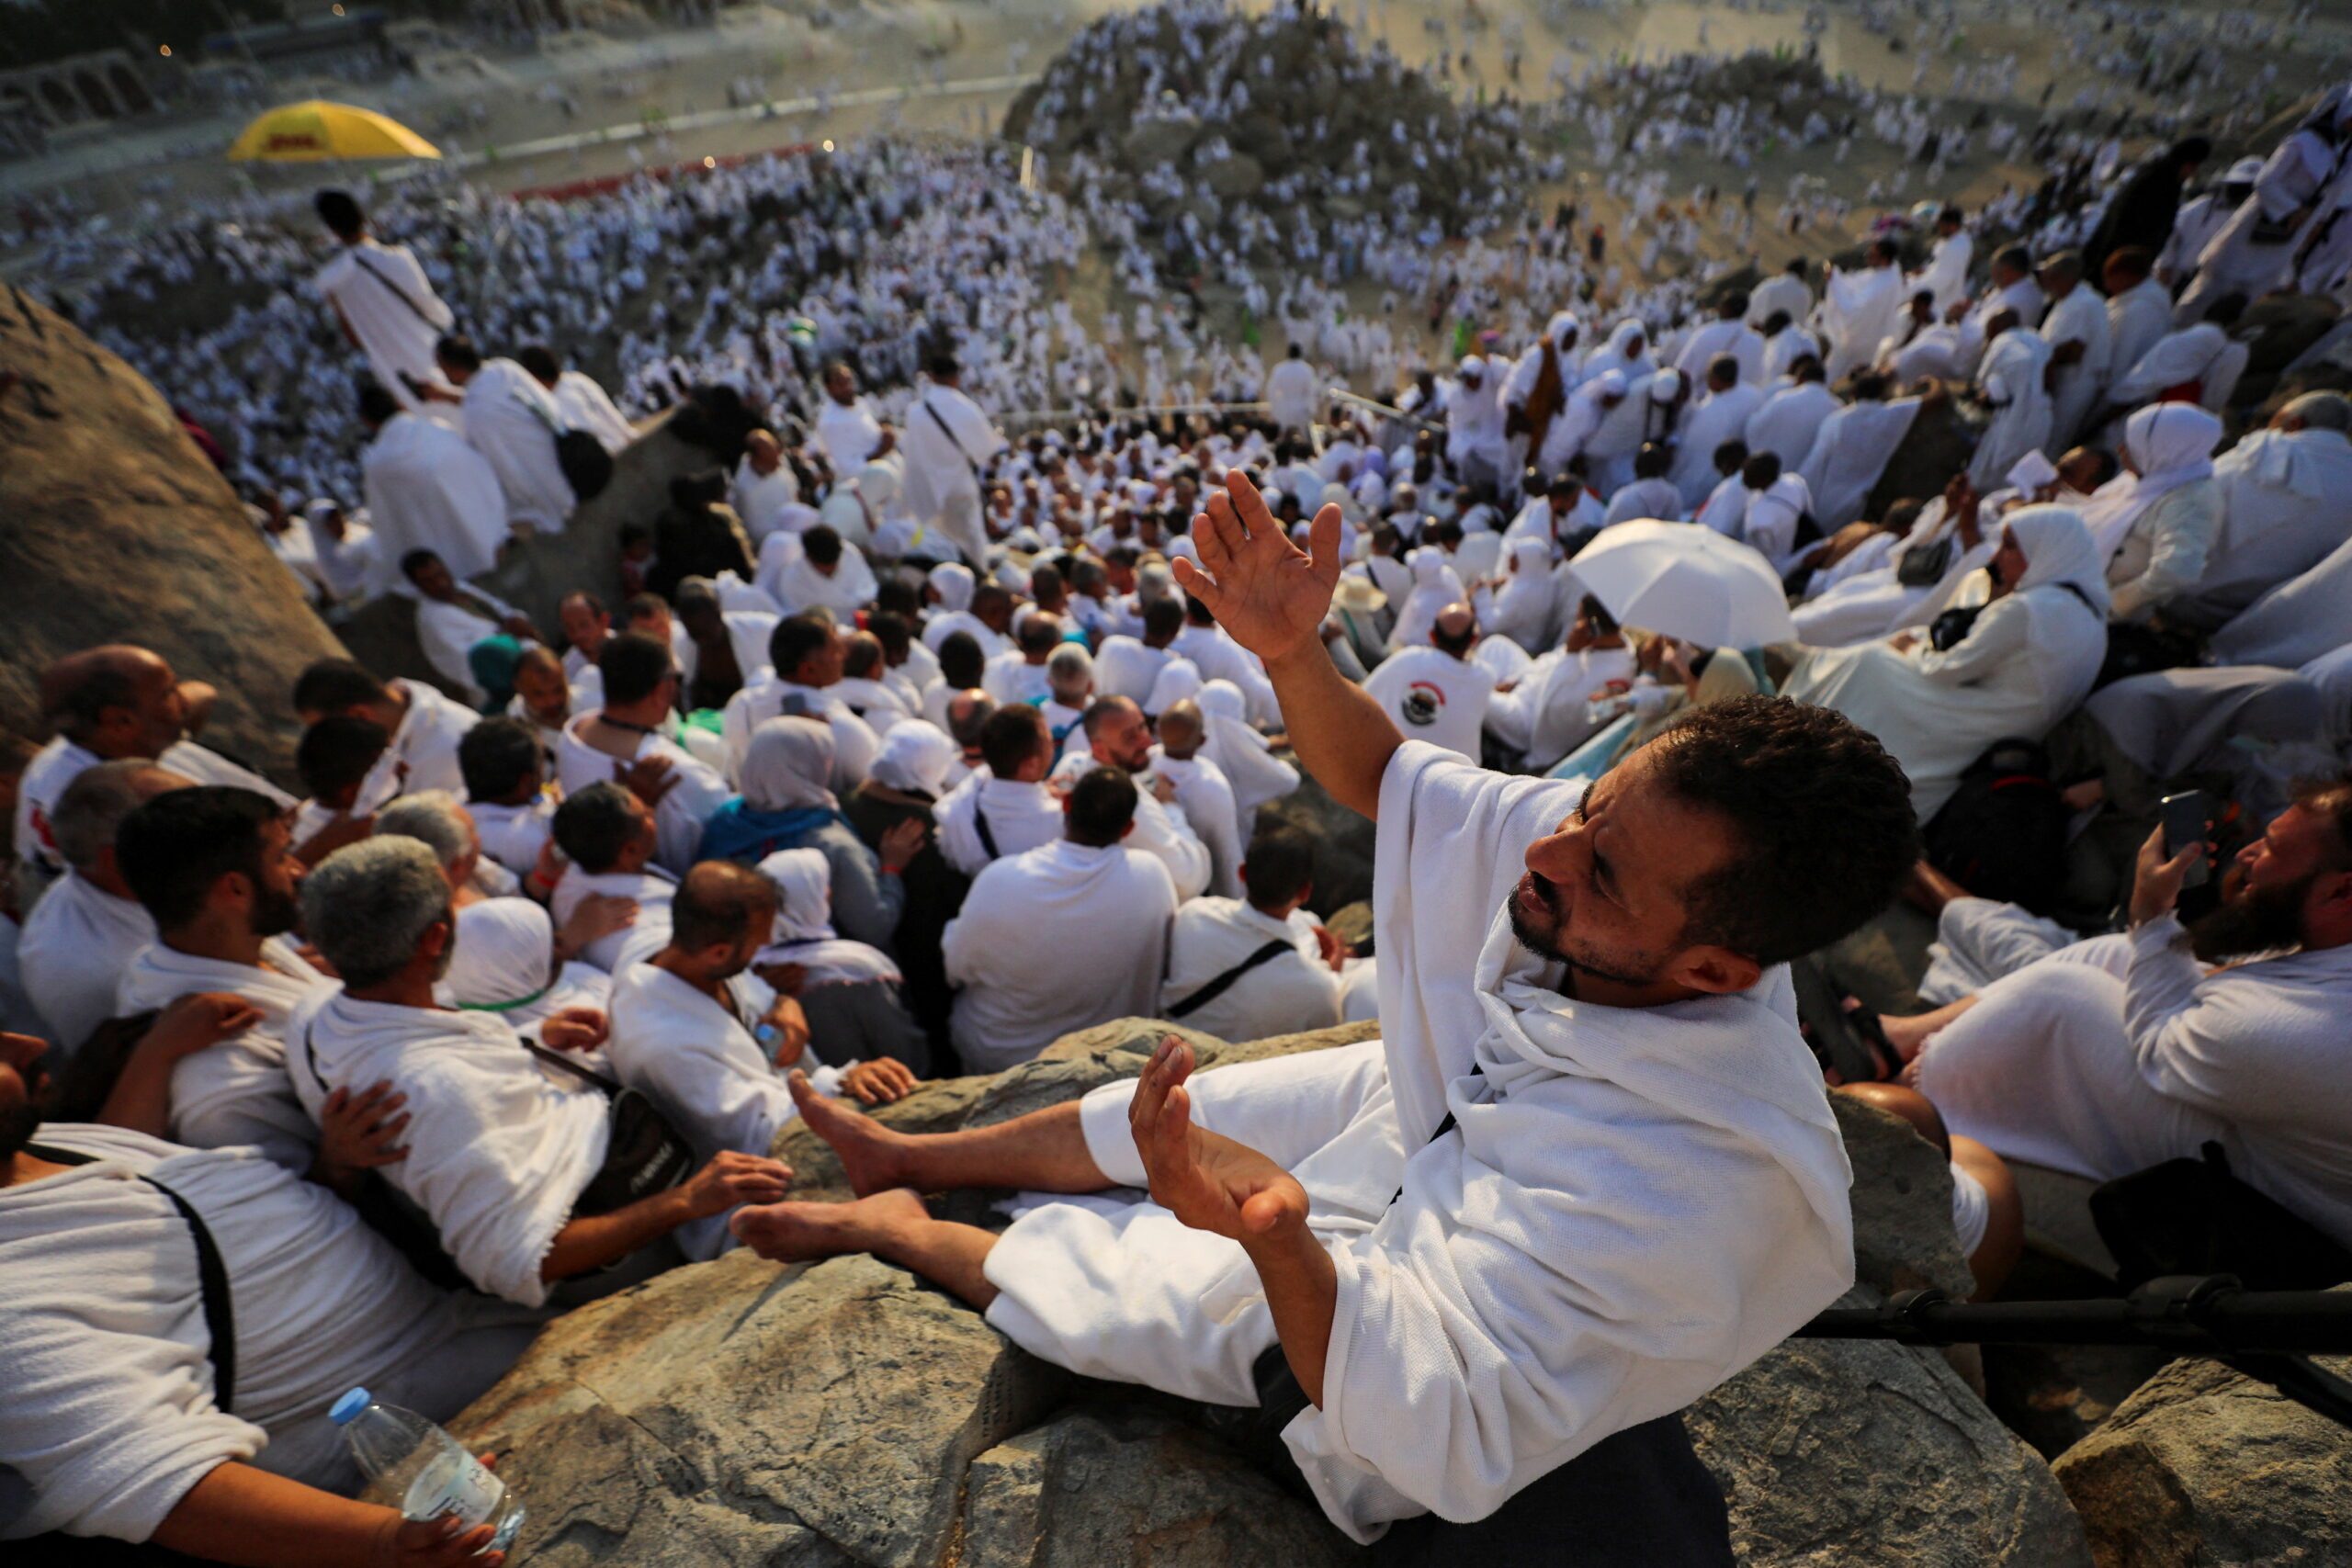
(360, 1131)
(2156, 880)
(598, 915)
(437, 1542)
(879, 1082)
(731, 1180)
(574, 1029)
(901, 841)
(197, 1023)
(1266, 592)
(648, 778)
(1209, 1182)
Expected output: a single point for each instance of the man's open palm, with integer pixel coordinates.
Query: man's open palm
(1210, 1182)
(1266, 592)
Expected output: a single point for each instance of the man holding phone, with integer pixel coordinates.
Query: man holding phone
(2125, 1051)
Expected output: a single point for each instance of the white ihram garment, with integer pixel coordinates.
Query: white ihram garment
(511, 421)
(428, 490)
(389, 304)
(76, 946)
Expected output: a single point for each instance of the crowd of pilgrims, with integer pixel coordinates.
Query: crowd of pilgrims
(895, 751)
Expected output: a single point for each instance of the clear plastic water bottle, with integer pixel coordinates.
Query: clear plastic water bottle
(421, 1470)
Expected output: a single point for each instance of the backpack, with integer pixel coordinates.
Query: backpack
(2003, 833)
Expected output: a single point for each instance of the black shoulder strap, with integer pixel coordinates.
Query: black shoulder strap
(969, 461)
(2077, 591)
(359, 260)
(220, 1313)
(1223, 983)
(987, 839)
(559, 1059)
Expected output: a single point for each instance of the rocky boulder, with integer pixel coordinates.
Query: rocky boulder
(1342, 841)
(2203, 1464)
(742, 1412)
(114, 527)
(1937, 445)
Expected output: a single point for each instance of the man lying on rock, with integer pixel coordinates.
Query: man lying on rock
(1589, 1173)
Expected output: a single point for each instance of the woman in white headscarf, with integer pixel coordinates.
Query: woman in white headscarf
(2010, 382)
(951, 585)
(1435, 585)
(1526, 609)
(787, 805)
(504, 962)
(1628, 349)
(1178, 681)
(849, 989)
(910, 775)
(1246, 757)
(2154, 525)
(2025, 661)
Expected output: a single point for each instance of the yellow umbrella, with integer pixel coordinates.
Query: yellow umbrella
(317, 130)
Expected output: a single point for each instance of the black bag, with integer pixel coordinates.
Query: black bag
(2135, 650)
(643, 1154)
(587, 467)
(2192, 1216)
(2003, 833)
(1924, 566)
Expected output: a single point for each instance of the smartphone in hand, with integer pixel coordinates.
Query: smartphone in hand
(2188, 817)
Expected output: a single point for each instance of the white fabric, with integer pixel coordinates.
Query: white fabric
(798, 585)
(1789, 422)
(1736, 338)
(1849, 455)
(854, 741)
(389, 304)
(513, 835)
(2080, 317)
(103, 1347)
(1054, 940)
(1544, 717)
(1284, 996)
(1163, 832)
(76, 946)
(1021, 817)
(2123, 1052)
(1245, 757)
(422, 754)
(60, 763)
(942, 488)
(1857, 308)
(498, 1150)
(650, 890)
(1432, 695)
(678, 818)
(427, 489)
(582, 404)
(2137, 320)
(447, 632)
(235, 1092)
(1291, 392)
(847, 432)
(1980, 940)
(2155, 528)
(1124, 667)
(1946, 273)
(2286, 506)
(1714, 419)
(803, 932)
(511, 420)
(768, 503)
(1435, 585)
(1527, 610)
(2011, 376)
(1205, 798)
(502, 960)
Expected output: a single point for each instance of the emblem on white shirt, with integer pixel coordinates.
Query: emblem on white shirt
(1424, 702)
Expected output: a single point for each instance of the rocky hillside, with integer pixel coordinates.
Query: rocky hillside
(745, 1413)
(115, 527)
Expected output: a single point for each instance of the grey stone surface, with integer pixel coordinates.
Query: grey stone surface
(2203, 1465)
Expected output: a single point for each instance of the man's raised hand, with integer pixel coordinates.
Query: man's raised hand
(1267, 593)
(1208, 1181)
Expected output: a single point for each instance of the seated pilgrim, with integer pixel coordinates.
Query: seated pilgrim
(1061, 936)
(850, 990)
(1590, 1172)
(424, 727)
(89, 925)
(2113, 1055)
(609, 836)
(454, 619)
(626, 740)
(506, 768)
(1002, 807)
(1203, 793)
(1435, 690)
(118, 1424)
(1546, 713)
(807, 655)
(506, 1157)
(1117, 736)
(1260, 965)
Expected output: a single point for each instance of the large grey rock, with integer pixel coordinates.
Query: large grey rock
(115, 529)
(1838, 1452)
(2203, 1465)
(1342, 838)
(1903, 1233)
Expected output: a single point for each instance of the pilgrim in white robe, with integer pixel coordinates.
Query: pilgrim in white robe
(1726, 507)
(1707, 341)
(60, 763)
(2123, 1052)
(1435, 585)
(2080, 317)
(650, 890)
(1770, 526)
(1205, 796)
(1211, 652)
(104, 1299)
(511, 421)
(499, 1149)
(448, 630)
(2286, 506)
(1020, 816)
(76, 946)
(801, 584)
(2296, 622)
(847, 434)
(1783, 293)
(1053, 940)
(423, 751)
(2198, 364)
(235, 1092)
(1288, 994)
(1788, 422)
(697, 1062)
(1245, 757)
(2137, 320)
(501, 960)
(679, 816)
(427, 489)
(582, 404)
(2030, 658)
(856, 744)
(1126, 666)
(513, 835)
(764, 501)
(2254, 252)
(1946, 273)
(946, 438)
(389, 303)
(2010, 380)
(1653, 498)
(1707, 423)
(1544, 716)
(1291, 392)
(1849, 455)
(1709, 1215)
(1526, 609)
(1432, 695)
(2155, 526)
(1875, 603)
(1162, 831)
(1857, 308)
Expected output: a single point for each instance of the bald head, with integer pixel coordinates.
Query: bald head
(763, 450)
(1455, 630)
(2061, 271)
(2315, 410)
(1181, 729)
(720, 916)
(116, 700)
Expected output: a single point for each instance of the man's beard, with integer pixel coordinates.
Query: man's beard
(1525, 932)
(2259, 920)
(275, 913)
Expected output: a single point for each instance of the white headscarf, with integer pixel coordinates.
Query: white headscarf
(787, 765)
(953, 582)
(1250, 766)
(1562, 325)
(2058, 549)
(915, 758)
(503, 962)
(1615, 354)
(803, 924)
(1178, 679)
(2171, 445)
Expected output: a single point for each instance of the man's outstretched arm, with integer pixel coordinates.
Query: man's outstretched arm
(1273, 596)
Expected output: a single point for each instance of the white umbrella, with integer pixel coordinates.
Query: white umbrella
(1687, 581)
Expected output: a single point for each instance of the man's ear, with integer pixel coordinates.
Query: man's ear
(1718, 971)
(1128, 829)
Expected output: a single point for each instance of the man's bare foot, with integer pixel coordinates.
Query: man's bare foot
(1907, 1034)
(872, 1156)
(802, 1233)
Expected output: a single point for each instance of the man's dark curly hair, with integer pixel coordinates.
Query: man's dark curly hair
(1822, 810)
